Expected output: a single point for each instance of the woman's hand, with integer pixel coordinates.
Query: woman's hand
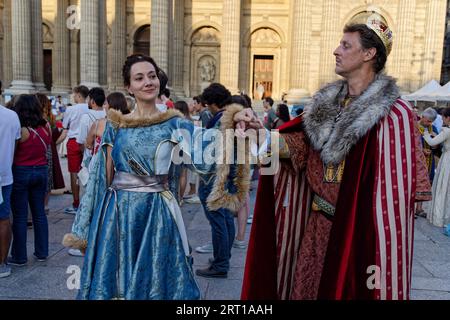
(246, 119)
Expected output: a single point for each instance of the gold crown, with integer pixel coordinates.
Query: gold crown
(378, 24)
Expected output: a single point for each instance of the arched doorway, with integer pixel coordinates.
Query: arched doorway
(141, 43)
(265, 56)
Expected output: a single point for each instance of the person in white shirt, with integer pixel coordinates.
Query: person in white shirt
(96, 100)
(10, 134)
(71, 126)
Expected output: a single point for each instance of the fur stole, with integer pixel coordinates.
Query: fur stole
(335, 139)
(118, 120)
(220, 196)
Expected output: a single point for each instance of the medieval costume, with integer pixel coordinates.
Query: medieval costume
(429, 157)
(133, 231)
(440, 206)
(341, 209)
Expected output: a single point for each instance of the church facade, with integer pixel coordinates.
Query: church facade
(278, 48)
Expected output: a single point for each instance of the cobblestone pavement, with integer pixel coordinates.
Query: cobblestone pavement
(49, 280)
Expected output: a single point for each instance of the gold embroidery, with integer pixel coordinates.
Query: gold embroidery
(332, 173)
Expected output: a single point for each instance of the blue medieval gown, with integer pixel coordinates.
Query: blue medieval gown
(136, 241)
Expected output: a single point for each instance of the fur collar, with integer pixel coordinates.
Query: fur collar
(334, 140)
(121, 121)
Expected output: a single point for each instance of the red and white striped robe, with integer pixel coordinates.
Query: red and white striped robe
(392, 208)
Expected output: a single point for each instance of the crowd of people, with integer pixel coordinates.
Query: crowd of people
(318, 226)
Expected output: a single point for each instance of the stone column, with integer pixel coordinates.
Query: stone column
(61, 50)
(401, 62)
(178, 48)
(118, 44)
(103, 44)
(21, 46)
(329, 41)
(434, 34)
(37, 46)
(159, 33)
(74, 35)
(229, 48)
(7, 46)
(89, 43)
(299, 61)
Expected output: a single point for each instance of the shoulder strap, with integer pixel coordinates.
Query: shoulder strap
(39, 136)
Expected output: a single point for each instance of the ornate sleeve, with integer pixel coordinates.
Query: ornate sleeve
(298, 148)
(93, 196)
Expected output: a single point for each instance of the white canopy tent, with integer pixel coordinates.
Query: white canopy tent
(424, 92)
(441, 94)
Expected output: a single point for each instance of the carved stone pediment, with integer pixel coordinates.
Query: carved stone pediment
(265, 37)
(206, 35)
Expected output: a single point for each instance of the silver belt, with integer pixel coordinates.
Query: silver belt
(131, 182)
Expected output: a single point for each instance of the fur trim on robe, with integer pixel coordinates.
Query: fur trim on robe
(220, 196)
(356, 120)
(118, 120)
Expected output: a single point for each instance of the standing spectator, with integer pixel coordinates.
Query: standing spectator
(96, 100)
(71, 125)
(10, 133)
(165, 97)
(30, 172)
(269, 116)
(217, 97)
(440, 205)
(203, 112)
(55, 177)
(282, 116)
(183, 107)
(426, 125)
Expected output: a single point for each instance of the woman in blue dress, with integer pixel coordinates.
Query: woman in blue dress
(129, 222)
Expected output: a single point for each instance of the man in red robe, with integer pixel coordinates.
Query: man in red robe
(337, 220)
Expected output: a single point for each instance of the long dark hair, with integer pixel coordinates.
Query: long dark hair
(117, 101)
(184, 108)
(46, 107)
(283, 112)
(135, 58)
(29, 110)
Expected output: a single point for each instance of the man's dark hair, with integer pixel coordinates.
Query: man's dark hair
(98, 95)
(248, 99)
(283, 112)
(199, 100)
(269, 100)
(239, 100)
(216, 94)
(29, 110)
(83, 90)
(369, 39)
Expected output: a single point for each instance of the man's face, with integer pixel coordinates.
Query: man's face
(349, 54)
(424, 121)
(266, 105)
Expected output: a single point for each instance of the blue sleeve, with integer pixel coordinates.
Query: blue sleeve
(197, 145)
(96, 187)
(109, 135)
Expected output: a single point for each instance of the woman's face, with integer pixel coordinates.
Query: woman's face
(446, 120)
(144, 83)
